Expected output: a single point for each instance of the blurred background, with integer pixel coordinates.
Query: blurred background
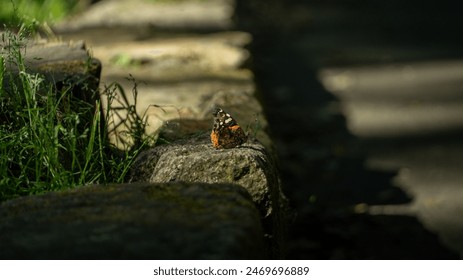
(365, 103)
(364, 100)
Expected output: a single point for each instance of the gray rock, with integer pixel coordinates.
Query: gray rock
(195, 160)
(133, 221)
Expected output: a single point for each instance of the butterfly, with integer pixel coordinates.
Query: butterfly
(226, 133)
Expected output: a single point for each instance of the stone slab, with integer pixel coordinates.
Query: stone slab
(133, 221)
(193, 159)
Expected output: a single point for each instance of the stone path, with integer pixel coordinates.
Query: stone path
(374, 91)
(410, 116)
(369, 155)
(181, 54)
(408, 112)
(176, 61)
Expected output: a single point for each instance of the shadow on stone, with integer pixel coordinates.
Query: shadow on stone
(323, 166)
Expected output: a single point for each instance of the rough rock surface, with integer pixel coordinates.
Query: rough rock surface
(184, 65)
(133, 221)
(195, 160)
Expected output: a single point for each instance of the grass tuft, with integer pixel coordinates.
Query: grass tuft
(51, 140)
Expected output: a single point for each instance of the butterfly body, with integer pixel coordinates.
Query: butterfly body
(226, 133)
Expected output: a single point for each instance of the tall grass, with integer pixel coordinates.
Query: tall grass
(49, 139)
